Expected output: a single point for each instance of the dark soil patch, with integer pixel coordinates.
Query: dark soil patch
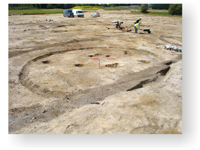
(94, 55)
(61, 26)
(45, 62)
(112, 65)
(78, 65)
(144, 61)
(58, 31)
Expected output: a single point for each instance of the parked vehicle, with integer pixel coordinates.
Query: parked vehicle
(78, 12)
(68, 13)
(95, 14)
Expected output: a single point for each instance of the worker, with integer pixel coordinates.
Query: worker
(118, 25)
(137, 26)
(137, 21)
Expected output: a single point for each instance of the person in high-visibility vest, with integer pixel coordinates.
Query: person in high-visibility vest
(137, 21)
(137, 26)
(118, 25)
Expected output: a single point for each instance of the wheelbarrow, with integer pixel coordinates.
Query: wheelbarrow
(147, 30)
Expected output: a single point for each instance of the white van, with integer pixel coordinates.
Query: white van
(78, 12)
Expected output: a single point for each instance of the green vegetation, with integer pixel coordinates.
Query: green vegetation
(36, 11)
(156, 12)
(40, 6)
(26, 9)
(49, 6)
(86, 7)
(144, 8)
(159, 13)
(60, 6)
(175, 9)
(118, 8)
(160, 6)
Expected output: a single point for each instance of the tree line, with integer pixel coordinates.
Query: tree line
(160, 6)
(174, 9)
(60, 6)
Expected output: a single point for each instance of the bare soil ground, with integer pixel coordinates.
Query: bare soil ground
(54, 76)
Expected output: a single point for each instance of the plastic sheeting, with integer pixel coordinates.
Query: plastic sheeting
(173, 48)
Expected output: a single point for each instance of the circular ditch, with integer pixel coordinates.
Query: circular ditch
(66, 72)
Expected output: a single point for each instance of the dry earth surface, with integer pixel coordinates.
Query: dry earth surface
(54, 76)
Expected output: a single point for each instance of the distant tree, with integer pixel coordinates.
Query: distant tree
(108, 5)
(104, 5)
(137, 5)
(60, 6)
(144, 8)
(38, 6)
(65, 6)
(175, 9)
(160, 6)
(49, 6)
(54, 5)
(44, 6)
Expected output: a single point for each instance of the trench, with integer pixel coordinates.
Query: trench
(25, 81)
(162, 72)
(131, 82)
(24, 116)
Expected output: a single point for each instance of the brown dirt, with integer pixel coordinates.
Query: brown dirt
(54, 75)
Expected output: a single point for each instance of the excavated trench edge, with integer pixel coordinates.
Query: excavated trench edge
(162, 72)
(20, 117)
(35, 88)
(23, 116)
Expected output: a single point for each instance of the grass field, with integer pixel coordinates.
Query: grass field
(54, 11)
(36, 11)
(49, 11)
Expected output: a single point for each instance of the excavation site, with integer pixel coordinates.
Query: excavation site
(85, 76)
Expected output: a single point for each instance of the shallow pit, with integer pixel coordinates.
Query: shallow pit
(78, 65)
